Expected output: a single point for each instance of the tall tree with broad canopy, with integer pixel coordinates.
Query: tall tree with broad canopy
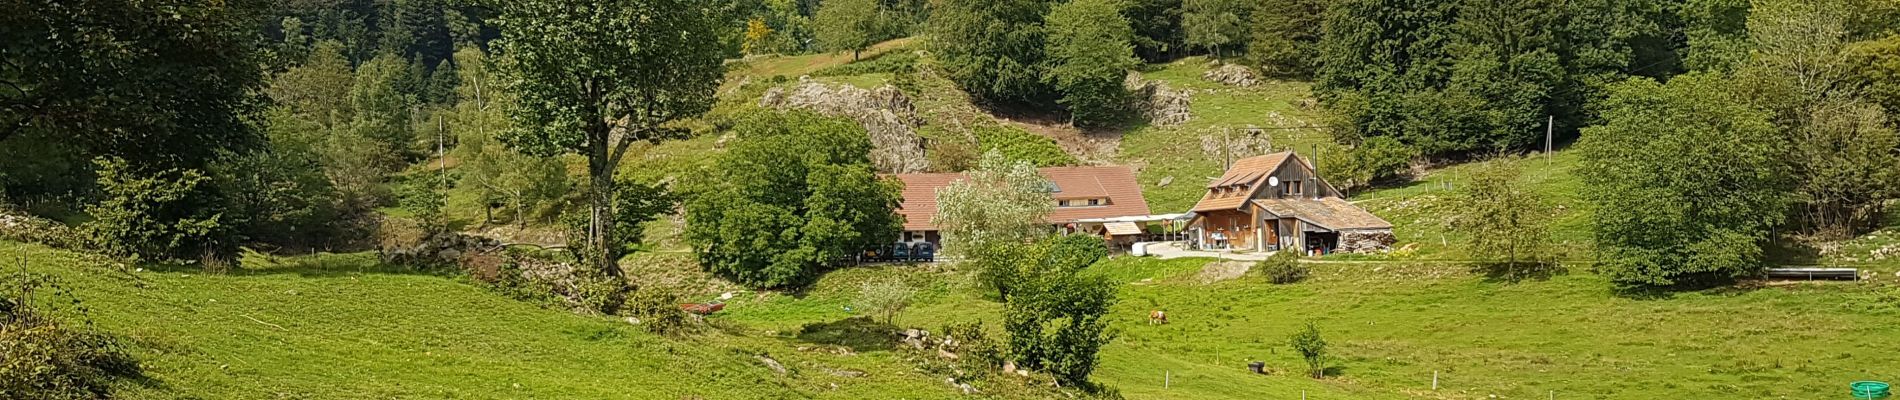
(1801, 70)
(992, 49)
(1688, 180)
(794, 194)
(1089, 55)
(595, 77)
(851, 25)
(160, 84)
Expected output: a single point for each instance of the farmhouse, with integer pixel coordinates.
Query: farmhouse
(1087, 200)
(1276, 202)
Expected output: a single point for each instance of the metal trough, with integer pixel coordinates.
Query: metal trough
(1848, 274)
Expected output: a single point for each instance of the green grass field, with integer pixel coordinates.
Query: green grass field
(343, 327)
(338, 326)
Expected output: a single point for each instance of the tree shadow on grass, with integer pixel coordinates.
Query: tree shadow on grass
(860, 334)
(1506, 272)
(1708, 284)
(319, 265)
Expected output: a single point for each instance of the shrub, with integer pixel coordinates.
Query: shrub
(658, 310)
(40, 358)
(1311, 347)
(976, 352)
(885, 297)
(20, 227)
(1020, 145)
(167, 215)
(1054, 315)
(1282, 268)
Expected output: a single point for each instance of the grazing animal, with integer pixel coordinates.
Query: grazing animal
(1157, 317)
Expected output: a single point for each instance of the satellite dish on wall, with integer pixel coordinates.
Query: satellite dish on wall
(1273, 181)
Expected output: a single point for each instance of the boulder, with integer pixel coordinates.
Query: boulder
(1160, 104)
(1232, 75)
(885, 112)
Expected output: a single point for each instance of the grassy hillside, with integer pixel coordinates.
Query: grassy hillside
(343, 327)
(1177, 153)
(338, 326)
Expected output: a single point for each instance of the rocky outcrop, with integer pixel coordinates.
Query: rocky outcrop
(886, 113)
(1367, 241)
(1232, 75)
(1160, 104)
(441, 249)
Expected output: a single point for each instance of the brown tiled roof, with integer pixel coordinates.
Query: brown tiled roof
(1245, 173)
(1331, 213)
(1116, 183)
(920, 198)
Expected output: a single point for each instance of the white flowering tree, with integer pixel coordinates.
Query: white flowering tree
(988, 215)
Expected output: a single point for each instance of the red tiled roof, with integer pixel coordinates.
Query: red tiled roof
(1116, 183)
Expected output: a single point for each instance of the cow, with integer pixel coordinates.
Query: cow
(1157, 317)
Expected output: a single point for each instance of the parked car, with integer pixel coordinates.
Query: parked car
(925, 252)
(900, 252)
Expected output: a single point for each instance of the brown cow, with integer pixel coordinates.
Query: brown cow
(1157, 317)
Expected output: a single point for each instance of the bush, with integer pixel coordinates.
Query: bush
(885, 297)
(41, 358)
(1282, 268)
(20, 227)
(658, 309)
(1311, 347)
(168, 215)
(1054, 315)
(1020, 145)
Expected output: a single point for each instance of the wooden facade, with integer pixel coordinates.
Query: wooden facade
(1275, 202)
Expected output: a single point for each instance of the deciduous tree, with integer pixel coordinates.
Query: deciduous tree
(992, 49)
(596, 77)
(847, 25)
(1215, 24)
(794, 194)
(1688, 181)
(1089, 57)
(1503, 221)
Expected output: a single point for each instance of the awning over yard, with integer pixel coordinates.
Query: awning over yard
(1122, 228)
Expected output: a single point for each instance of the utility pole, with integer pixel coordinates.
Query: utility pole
(1226, 150)
(1550, 130)
(441, 160)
